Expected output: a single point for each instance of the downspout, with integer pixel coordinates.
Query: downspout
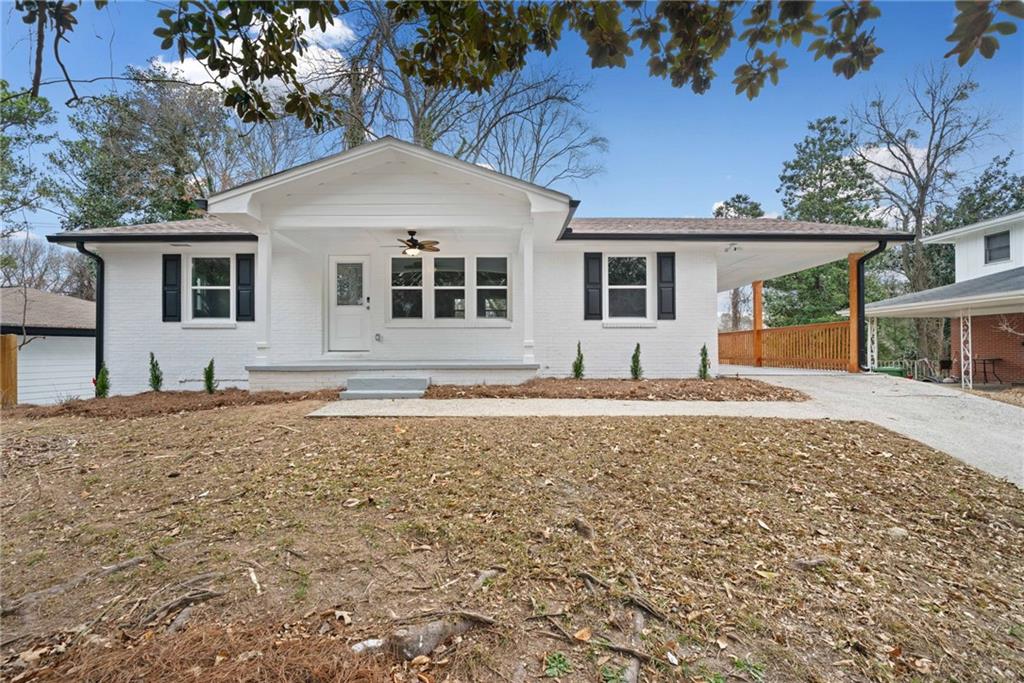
(99, 303)
(862, 323)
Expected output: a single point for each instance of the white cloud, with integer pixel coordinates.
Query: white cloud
(315, 67)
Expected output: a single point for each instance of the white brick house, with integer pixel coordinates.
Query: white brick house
(299, 279)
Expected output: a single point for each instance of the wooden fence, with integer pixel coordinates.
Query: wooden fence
(8, 370)
(821, 346)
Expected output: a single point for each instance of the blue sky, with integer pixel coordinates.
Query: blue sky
(671, 153)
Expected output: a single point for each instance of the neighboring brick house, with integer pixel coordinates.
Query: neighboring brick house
(985, 304)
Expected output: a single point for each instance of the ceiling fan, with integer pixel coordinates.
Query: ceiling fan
(413, 246)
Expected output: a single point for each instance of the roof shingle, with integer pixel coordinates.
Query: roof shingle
(45, 309)
(726, 228)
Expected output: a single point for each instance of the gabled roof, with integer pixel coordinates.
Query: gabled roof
(732, 229)
(378, 145)
(950, 236)
(45, 310)
(197, 229)
(1002, 288)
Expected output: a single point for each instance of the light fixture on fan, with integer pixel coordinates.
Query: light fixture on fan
(413, 246)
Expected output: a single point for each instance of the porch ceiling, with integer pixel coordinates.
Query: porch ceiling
(740, 263)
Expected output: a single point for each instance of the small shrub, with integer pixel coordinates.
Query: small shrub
(635, 371)
(209, 383)
(704, 369)
(577, 365)
(556, 664)
(156, 375)
(102, 382)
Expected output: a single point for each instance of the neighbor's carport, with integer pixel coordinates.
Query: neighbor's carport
(999, 293)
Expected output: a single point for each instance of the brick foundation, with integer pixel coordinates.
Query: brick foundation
(991, 342)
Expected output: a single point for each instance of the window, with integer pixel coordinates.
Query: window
(449, 287)
(349, 284)
(627, 286)
(997, 247)
(492, 287)
(211, 287)
(406, 288)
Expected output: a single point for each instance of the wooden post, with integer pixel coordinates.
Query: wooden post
(758, 323)
(8, 370)
(854, 364)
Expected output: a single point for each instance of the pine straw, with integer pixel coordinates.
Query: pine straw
(825, 551)
(721, 389)
(152, 403)
(247, 652)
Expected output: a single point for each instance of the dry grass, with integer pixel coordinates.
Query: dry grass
(722, 389)
(914, 573)
(152, 403)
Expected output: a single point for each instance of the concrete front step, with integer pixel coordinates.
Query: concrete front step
(384, 387)
(387, 384)
(349, 395)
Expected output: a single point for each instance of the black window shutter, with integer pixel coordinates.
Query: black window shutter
(245, 287)
(172, 288)
(592, 286)
(666, 285)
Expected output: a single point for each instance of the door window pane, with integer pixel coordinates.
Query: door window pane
(449, 272)
(450, 303)
(211, 303)
(627, 270)
(407, 303)
(627, 303)
(211, 272)
(406, 272)
(492, 272)
(350, 284)
(492, 303)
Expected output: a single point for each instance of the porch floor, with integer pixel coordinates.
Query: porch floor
(368, 364)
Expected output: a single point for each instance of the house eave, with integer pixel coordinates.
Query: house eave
(568, 234)
(74, 238)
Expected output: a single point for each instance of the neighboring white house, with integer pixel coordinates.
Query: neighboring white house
(986, 303)
(301, 280)
(56, 363)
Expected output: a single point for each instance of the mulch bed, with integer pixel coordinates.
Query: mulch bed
(1013, 396)
(163, 403)
(722, 389)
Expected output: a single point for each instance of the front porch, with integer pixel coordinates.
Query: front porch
(331, 374)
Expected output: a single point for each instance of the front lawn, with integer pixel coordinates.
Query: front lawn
(750, 549)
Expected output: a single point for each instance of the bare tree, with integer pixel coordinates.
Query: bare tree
(530, 125)
(29, 262)
(914, 142)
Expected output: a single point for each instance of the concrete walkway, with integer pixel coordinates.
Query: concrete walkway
(979, 431)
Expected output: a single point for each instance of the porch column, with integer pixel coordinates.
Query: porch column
(263, 261)
(758, 323)
(872, 343)
(526, 256)
(966, 351)
(854, 364)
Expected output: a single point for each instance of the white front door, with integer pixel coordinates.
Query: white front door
(349, 303)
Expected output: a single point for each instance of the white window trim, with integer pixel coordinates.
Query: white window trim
(190, 320)
(434, 287)
(507, 287)
(609, 319)
(425, 269)
(429, 319)
(984, 248)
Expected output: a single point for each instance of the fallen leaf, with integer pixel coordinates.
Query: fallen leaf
(583, 635)
(763, 525)
(420, 660)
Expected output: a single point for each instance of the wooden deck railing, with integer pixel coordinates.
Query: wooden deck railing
(821, 346)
